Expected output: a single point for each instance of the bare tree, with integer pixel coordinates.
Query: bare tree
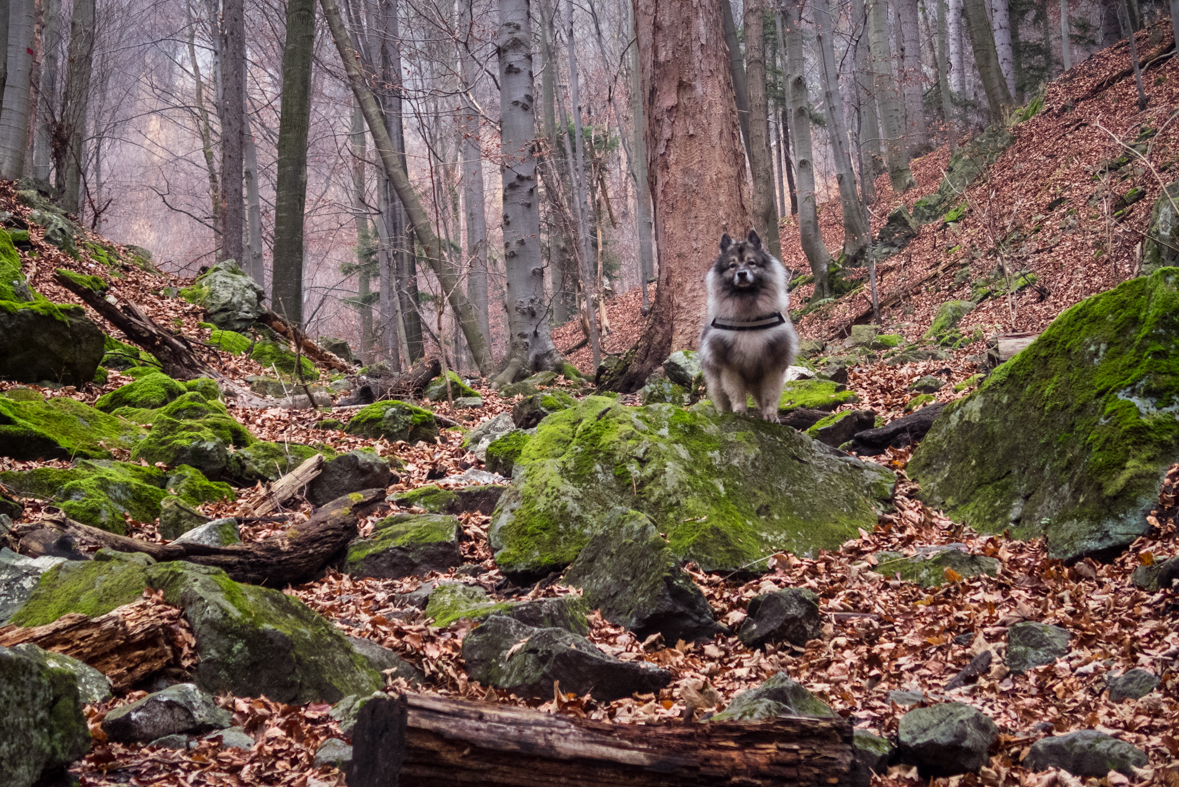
(472, 172)
(1001, 25)
(765, 216)
(233, 108)
(47, 88)
(14, 116)
(943, 76)
(888, 97)
(737, 69)
(71, 129)
(872, 163)
(911, 76)
(983, 44)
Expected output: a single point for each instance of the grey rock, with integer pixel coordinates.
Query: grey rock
(682, 368)
(1085, 753)
(628, 572)
(232, 738)
(480, 498)
(789, 615)
(946, 739)
(810, 347)
(182, 708)
(300, 401)
(1132, 684)
(234, 300)
(486, 433)
(861, 336)
(170, 742)
(538, 657)
(218, 533)
(928, 565)
(405, 545)
(468, 403)
(476, 476)
(531, 410)
(777, 696)
(333, 752)
(1031, 645)
(906, 699)
(872, 752)
(897, 232)
(349, 473)
(338, 347)
(897, 434)
(177, 518)
(927, 384)
(978, 665)
(386, 661)
(848, 426)
(1162, 235)
(1160, 576)
(49, 342)
(565, 612)
(93, 686)
(346, 711)
(18, 576)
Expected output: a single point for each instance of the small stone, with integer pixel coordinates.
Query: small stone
(790, 615)
(333, 752)
(176, 709)
(232, 738)
(1031, 645)
(348, 473)
(872, 751)
(486, 433)
(1160, 576)
(468, 403)
(218, 533)
(906, 699)
(385, 661)
(946, 739)
(777, 696)
(1085, 753)
(177, 518)
(171, 742)
(926, 384)
(1132, 685)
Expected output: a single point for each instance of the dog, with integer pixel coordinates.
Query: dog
(747, 342)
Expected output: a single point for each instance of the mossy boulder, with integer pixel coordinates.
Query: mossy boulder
(501, 454)
(1070, 438)
(42, 729)
(929, 566)
(46, 342)
(777, 696)
(530, 411)
(149, 392)
(836, 429)
(814, 395)
(61, 428)
(232, 300)
(1031, 645)
(1086, 753)
(394, 420)
(93, 686)
(726, 490)
(264, 461)
(919, 401)
(1161, 248)
(275, 355)
(91, 587)
(682, 368)
(406, 545)
(231, 341)
(191, 430)
(338, 347)
(663, 391)
(351, 472)
(453, 601)
(436, 388)
(949, 314)
(254, 641)
(481, 499)
(898, 230)
(970, 161)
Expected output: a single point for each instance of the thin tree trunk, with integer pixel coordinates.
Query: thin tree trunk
(390, 330)
(5, 12)
(253, 263)
(912, 77)
(957, 69)
(985, 56)
(1142, 100)
(364, 241)
(560, 245)
(784, 145)
(75, 100)
(14, 120)
(855, 228)
(800, 122)
(943, 78)
(431, 246)
(779, 163)
(205, 129)
(47, 115)
(472, 175)
(1001, 24)
(1134, 14)
(233, 106)
(896, 155)
(765, 218)
(869, 122)
(646, 226)
(1065, 55)
(1174, 18)
(736, 69)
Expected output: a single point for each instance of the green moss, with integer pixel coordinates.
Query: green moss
(919, 401)
(274, 355)
(502, 453)
(1033, 108)
(100, 376)
(815, 394)
(829, 420)
(436, 389)
(571, 372)
(888, 341)
(949, 314)
(195, 294)
(148, 392)
(123, 356)
(394, 420)
(91, 588)
(264, 461)
(329, 423)
(94, 283)
(431, 498)
(61, 428)
(205, 387)
(23, 394)
(404, 530)
(10, 268)
(956, 213)
(452, 602)
(231, 342)
(969, 382)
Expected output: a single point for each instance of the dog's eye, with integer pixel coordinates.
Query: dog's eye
(732, 265)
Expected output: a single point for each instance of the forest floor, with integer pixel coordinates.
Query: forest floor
(880, 634)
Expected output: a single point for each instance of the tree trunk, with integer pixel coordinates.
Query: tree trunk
(364, 240)
(1001, 24)
(800, 133)
(472, 174)
(47, 90)
(75, 100)
(765, 217)
(253, 263)
(787, 160)
(736, 69)
(233, 107)
(872, 162)
(290, 195)
(390, 330)
(943, 77)
(855, 228)
(1111, 28)
(424, 739)
(431, 246)
(985, 56)
(638, 160)
(896, 155)
(205, 129)
(912, 76)
(957, 69)
(14, 119)
(1065, 54)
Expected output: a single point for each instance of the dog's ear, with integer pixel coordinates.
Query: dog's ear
(753, 239)
(726, 242)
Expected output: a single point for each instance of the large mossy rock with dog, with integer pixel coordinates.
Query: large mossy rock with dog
(254, 641)
(1070, 438)
(726, 490)
(232, 300)
(394, 420)
(32, 427)
(42, 729)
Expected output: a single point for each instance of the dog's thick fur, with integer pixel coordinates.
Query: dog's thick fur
(746, 284)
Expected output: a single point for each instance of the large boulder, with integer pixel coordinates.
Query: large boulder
(90, 587)
(452, 601)
(524, 660)
(1159, 250)
(789, 615)
(486, 433)
(946, 739)
(1085, 753)
(394, 420)
(151, 391)
(349, 473)
(406, 545)
(628, 572)
(531, 410)
(60, 428)
(254, 641)
(232, 299)
(949, 314)
(777, 696)
(182, 708)
(18, 576)
(93, 686)
(682, 368)
(1031, 645)
(726, 490)
(436, 389)
(265, 461)
(192, 430)
(46, 342)
(1070, 439)
(42, 729)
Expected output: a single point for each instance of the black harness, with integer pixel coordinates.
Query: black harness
(759, 324)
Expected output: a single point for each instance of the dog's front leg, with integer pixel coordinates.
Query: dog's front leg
(734, 388)
(769, 395)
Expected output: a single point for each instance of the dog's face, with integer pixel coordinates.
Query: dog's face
(743, 265)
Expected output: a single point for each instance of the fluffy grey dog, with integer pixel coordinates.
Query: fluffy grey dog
(748, 342)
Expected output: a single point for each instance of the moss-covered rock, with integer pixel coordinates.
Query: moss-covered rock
(276, 356)
(254, 641)
(91, 587)
(406, 545)
(965, 166)
(898, 230)
(263, 461)
(436, 500)
(682, 368)
(191, 430)
(454, 601)
(836, 429)
(436, 388)
(777, 696)
(663, 391)
(503, 452)
(42, 341)
(232, 299)
(149, 392)
(949, 314)
(814, 395)
(61, 428)
(394, 420)
(1086, 753)
(231, 341)
(1161, 248)
(726, 490)
(1070, 438)
(1031, 645)
(919, 401)
(930, 566)
(530, 411)
(119, 355)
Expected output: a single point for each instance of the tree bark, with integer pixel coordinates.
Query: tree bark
(987, 59)
(364, 240)
(451, 285)
(472, 174)
(943, 76)
(1065, 54)
(888, 96)
(855, 228)
(14, 117)
(1001, 24)
(912, 76)
(800, 133)
(638, 160)
(957, 69)
(556, 167)
(74, 104)
(736, 69)
(205, 130)
(291, 189)
(423, 739)
(765, 217)
(47, 90)
(253, 263)
(233, 107)
(872, 161)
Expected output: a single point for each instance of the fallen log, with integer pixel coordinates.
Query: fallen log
(270, 497)
(303, 342)
(291, 558)
(422, 739)
(897, 434)
(407, 385)
(126, 644)
(174, 352)
(1003, 348)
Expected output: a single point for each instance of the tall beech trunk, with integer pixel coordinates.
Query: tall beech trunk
(471, 151)
(364, 240)
(646, 226)
(431, 246)
(912, 77)
(233, 110)
(253, 263)
(800, 132)
(291, 190)
(983, 43)
(787, 160)
(205, 130)
(14, 119)
(943, 77)
(390, 333)
(693, 150)
(47, 85)
(560, 243)
(75, 102)
(954, 32)
(1065, 55)
(872, 163)
(855, 228)
(765, 217)
(888, 97)
(736, 69)
(1001, 25)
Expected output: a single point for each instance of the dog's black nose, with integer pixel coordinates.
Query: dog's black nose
(742, 275)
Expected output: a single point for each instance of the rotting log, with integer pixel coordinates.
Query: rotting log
(407, 385)
(303, 342)
(898, 433)
(174, 353)
(126, 644)
(270, 497)
(424, 739)
(1003, 348)
(293, 557)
